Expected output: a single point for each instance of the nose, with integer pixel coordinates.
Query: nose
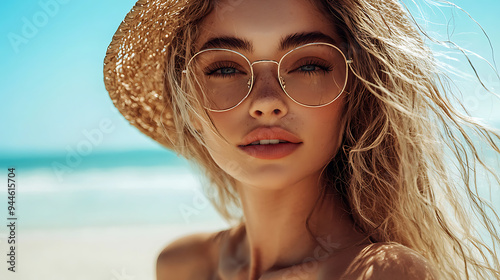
(268, 100)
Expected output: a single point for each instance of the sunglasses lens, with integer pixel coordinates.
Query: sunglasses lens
(314, 75)
(223, 77)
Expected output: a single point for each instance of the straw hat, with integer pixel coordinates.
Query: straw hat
(134, 68)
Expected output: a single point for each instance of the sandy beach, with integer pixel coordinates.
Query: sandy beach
(110, 253)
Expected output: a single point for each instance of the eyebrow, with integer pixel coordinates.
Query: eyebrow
(228, 43)
(298, 39)
(288, 42)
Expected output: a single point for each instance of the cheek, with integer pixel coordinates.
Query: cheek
(216, 143)
(328, 126)
(222, 149)
(225, 123)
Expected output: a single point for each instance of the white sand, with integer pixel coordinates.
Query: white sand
(118, 253)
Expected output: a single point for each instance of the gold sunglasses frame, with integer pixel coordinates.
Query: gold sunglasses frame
(348, 62)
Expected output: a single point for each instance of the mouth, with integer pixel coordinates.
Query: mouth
(266, 142)
(270, 143)
(269, 136)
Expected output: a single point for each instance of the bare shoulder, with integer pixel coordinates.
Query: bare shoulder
(190, 257)
(385, 261)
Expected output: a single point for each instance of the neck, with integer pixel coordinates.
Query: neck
(274, 234)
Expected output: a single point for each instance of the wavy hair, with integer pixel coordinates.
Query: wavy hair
(392, 171)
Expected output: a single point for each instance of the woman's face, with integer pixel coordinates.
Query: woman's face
(267, 113)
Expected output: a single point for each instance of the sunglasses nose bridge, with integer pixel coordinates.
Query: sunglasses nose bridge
(264, 61)
(274, 74)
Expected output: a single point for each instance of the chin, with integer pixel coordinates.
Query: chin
(276, 178)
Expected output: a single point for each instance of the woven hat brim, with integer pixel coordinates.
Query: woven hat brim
(134, 68)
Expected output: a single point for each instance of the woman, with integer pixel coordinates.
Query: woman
(318, 124)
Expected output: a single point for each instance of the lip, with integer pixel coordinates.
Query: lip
(272, 151)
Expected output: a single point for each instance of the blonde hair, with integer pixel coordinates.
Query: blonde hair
(391, 170)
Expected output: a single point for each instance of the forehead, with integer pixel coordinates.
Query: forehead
(263, 23)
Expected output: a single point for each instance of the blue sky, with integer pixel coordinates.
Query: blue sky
(52, 92)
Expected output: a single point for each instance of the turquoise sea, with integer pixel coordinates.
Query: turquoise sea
(106, 189)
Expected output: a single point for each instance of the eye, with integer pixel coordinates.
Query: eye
(309, 68)
(224, 69)
(312, 66)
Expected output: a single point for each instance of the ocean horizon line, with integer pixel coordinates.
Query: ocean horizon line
(96, 159)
